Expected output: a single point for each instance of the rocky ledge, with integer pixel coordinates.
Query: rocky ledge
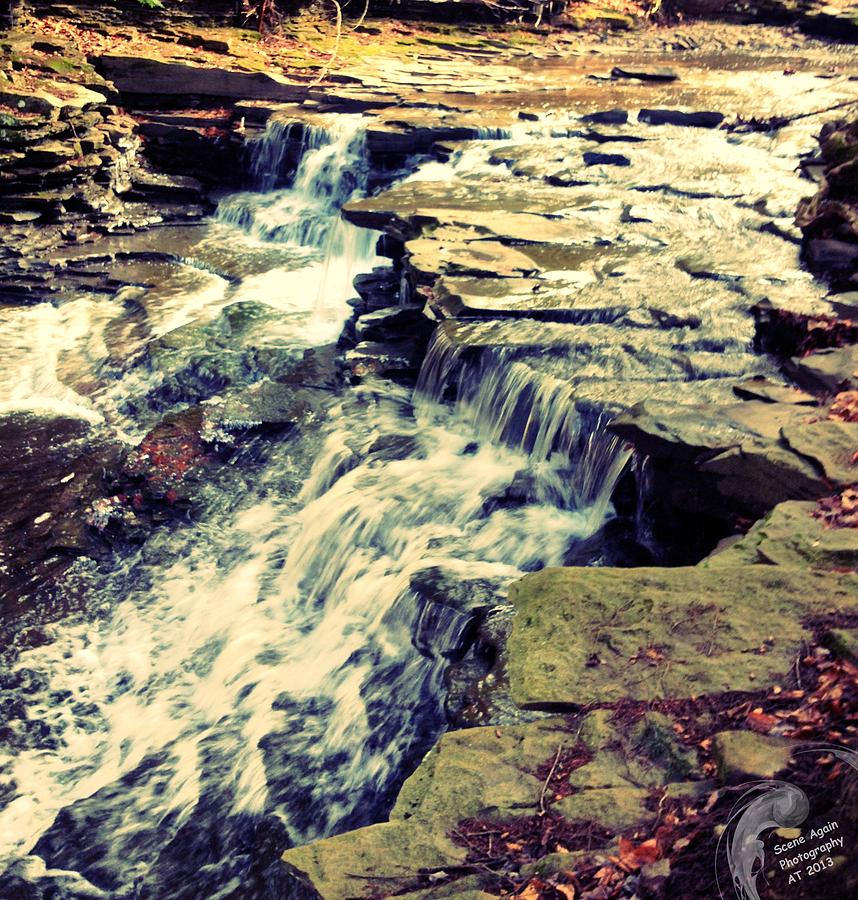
(667, 686)
(608, 275)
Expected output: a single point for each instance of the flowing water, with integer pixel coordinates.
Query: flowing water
(259, 678)
(269, 674)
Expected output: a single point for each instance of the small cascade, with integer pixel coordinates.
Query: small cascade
(271, 153)
(331, 170)
(508, 401)
(305, 219)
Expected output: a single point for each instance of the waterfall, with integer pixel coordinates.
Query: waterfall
(332, 169)
(270, 664)
(507, 400)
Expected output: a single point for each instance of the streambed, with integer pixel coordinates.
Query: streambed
(268, 672)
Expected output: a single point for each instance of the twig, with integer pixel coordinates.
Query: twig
(548, 780)
(326, 68)
(362, 17)
(779, 121)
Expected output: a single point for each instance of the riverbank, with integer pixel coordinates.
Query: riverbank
(522, 367)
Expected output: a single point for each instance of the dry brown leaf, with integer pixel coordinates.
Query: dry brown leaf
(635, 857)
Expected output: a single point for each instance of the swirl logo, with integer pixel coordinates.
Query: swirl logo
(763, 806)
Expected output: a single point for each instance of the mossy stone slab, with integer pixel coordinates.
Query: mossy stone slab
(379, 859)
(586, 635)
(481, 773)
(791, 536)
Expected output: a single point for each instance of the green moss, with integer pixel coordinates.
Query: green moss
(62, 66)
(790, 536)
(662, 632)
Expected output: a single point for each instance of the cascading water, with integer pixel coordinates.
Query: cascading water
(268, 674)
(510, 402)
(331, 171)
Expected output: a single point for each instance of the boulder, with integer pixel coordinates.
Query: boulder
(168, 464)
(581, 17)
(202, 359)
(356, 863)
(160, 186)
(530, 211)
(379, 288)
(428, 257)
(662, 632)
(446, 585)
(831, 255)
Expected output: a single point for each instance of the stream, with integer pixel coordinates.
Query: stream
(267, 674)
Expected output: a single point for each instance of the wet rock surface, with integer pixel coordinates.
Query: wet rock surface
(656, 621)
(54, 470)
(495, 270)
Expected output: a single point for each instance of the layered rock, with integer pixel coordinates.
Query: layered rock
(753, 454)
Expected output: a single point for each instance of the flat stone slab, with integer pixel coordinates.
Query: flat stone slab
(135, 75)
(606, 159)
(644, 74)
(680, 117)
(427, 256)
(772, 392)
(359, 863)
(406, 209)
(831, 370)
(594, 635)
(469, 297)
(51, 98)
(790, 536)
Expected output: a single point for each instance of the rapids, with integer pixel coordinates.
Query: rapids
(260, 672)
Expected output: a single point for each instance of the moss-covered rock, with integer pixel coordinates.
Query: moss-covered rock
(379, 859)
(843, 643)
(592, 635)
(499, 774)
(790, 536)
(742, 755)
(481, 773)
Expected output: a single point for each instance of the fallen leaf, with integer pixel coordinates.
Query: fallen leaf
(634, 857)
